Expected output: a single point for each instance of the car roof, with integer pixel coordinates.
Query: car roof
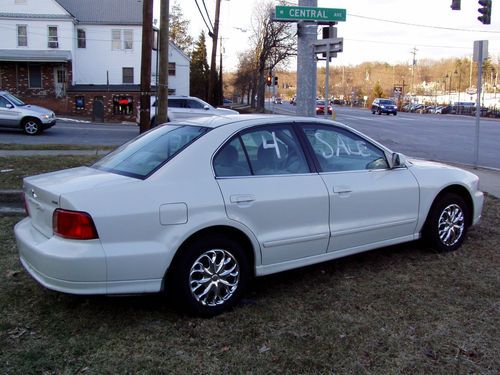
(224, 120)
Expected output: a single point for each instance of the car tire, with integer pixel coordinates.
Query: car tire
(209, 276)
(446, 225)
(373, 112)
(395, 113)
(32, 126)
(379, 112)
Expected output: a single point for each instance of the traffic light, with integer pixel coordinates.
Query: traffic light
(455, 5)
(269, 80)
(275, 81)
(485, 11)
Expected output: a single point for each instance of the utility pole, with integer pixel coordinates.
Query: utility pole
(414, 63)
(306, 64)
(162, 89)
(221, 88)
(212, 82)
(147, 43)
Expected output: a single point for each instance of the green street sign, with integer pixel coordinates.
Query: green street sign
(294, 13)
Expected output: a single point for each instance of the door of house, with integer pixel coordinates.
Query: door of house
(59, 81)
(98, 109)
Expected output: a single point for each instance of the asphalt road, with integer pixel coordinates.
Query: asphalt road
(447, 138)
(75, 133)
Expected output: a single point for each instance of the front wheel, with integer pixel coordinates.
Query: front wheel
(210, 276)
(32, 126)
(446, 224)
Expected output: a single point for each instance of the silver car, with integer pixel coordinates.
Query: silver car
(33, 119)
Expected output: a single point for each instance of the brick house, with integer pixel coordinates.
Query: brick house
(80, 57)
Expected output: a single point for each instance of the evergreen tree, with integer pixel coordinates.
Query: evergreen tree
(179, 29)
(198, 80)
(378, 92)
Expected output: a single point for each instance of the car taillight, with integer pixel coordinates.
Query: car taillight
(74, 225)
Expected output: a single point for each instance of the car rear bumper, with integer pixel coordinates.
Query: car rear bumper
(77, 267)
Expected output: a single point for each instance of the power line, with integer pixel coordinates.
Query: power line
(202, 16)
(421, 25)
(206, 11)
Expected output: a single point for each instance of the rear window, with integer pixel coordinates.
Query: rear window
(145, 154)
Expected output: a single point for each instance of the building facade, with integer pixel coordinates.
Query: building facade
(80, 57)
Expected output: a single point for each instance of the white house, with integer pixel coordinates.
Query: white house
(78, 55)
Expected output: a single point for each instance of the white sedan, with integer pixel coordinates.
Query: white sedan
(198, 208)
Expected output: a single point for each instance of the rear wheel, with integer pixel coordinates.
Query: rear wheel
(446, 224)
(210, 276)
(32, 126)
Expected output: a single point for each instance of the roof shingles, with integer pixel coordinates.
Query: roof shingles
(105, 12)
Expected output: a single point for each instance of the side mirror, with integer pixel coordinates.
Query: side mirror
(8, 105)
(206, 108)
(398, 160)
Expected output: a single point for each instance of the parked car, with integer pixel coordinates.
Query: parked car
(293, 101)
(32, 119)
(227, 102)
(320, 107)
(443, 109)
(185, 107)
(387, 106)
(197, 208)
(278, 101)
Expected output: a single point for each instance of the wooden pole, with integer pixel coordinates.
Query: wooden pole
(147, 43)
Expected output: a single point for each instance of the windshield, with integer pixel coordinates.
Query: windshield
(14, 100)
(145, 154)
(386, 102)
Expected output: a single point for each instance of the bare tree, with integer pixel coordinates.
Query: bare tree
(273, 43)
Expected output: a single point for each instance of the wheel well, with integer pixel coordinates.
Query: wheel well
(24, 119)
(463, 193)
(220, 230)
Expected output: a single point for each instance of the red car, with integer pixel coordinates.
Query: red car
(320, 107)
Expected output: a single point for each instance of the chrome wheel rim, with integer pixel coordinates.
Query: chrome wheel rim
(451, 224)
(214, 277)
(31, 127)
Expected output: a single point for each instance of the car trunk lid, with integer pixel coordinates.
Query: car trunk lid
(43, 192)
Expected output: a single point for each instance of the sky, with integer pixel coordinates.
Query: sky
(367, 34)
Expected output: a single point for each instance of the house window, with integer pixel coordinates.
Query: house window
(35, 76)
(61, 76)
(22, 36)
(81, 40)
(127, 39)
(127, 75)
(171, 69)
(123, 105)
(122, 39)
(53, 41)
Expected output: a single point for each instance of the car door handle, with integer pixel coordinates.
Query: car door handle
(342, 190)
(243, 198)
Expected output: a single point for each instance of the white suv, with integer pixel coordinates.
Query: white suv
(183, 107)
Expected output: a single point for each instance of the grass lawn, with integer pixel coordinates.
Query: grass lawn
(398, 310)
(17, 167)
